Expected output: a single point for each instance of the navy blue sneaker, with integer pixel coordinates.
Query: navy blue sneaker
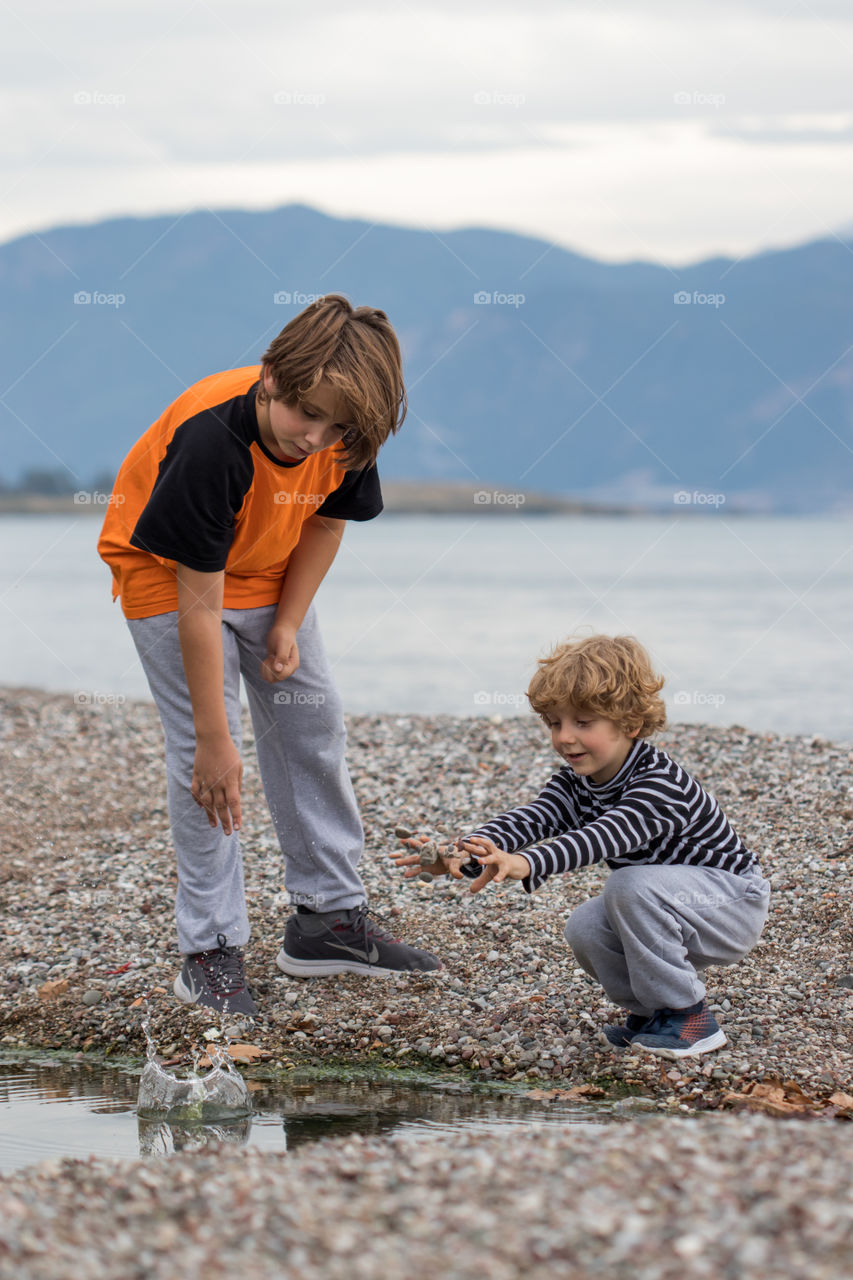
(621, 1037)
(681, 1033)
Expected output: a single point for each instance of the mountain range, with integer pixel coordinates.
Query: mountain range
(529, 367)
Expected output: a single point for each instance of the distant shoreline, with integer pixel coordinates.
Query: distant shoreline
(409, 498)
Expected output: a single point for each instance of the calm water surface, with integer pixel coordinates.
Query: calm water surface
(749, 619)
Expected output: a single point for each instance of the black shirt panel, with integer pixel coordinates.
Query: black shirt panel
(357, 497)
(203, 479)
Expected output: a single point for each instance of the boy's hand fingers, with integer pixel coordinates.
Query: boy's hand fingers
(483, 880)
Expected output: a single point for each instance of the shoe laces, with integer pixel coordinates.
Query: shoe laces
(363, 924)
(223, 968)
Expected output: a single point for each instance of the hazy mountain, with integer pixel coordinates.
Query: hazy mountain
(575, 377)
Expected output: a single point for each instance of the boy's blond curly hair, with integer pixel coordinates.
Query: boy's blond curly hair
(610, 676)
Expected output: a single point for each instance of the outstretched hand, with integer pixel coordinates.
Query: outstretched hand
(445, 863)
(497, 865)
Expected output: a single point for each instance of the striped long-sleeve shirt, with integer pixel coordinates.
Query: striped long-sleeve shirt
(651, 811)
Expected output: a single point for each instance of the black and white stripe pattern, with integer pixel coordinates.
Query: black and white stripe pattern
(652, 811)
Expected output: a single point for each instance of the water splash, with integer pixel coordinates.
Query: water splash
(220, 1094)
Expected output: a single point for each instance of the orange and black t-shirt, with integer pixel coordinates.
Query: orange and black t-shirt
(199, 488)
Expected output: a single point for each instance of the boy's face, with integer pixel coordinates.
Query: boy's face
(594, 747)
(292, 432)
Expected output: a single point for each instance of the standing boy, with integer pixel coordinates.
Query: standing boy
(226, 515)
(684, 893)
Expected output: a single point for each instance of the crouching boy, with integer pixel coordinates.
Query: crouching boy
(684, 893)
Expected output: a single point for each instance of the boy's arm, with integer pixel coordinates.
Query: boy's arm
(552, 813)
(308, 565)
(631, 825)
(217, 769)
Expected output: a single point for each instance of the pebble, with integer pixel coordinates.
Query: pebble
(650, 1198)
(510, 997)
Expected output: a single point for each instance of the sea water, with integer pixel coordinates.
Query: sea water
(748, 618)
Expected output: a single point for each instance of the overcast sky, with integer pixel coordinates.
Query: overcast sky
(666, 131)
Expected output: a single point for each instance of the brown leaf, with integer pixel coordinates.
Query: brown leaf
(52, 990)
(775, 1098)
(236, 1052)
(843, 1102)
(565, 1095)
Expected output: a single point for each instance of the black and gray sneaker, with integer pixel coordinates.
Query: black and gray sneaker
(216, 979)
(348, 942)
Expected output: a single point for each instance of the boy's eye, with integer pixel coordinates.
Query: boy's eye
(308, 414)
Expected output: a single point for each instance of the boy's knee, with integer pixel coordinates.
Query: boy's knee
(582, 924)
(625, 886)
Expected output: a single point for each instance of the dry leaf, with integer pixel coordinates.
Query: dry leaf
(843, 1102)
(52, 990)
(577, 1092)
(775, 1098)
(245, 1053)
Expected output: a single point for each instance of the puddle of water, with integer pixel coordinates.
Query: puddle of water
(50, 1109)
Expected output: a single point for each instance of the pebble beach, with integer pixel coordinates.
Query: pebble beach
(88, 948)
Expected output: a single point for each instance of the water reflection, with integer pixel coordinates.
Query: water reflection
(51, 1109)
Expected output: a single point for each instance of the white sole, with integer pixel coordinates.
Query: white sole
(325, 968)
(716, 1041)
(183, 993)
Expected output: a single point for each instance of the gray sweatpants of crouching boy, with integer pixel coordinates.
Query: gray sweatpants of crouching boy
(300, 740)
(654, 928)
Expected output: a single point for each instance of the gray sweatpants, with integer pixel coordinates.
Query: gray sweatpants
(654, 926)
(300, 741)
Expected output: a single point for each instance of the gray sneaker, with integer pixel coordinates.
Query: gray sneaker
(215, 979)
(348, 942)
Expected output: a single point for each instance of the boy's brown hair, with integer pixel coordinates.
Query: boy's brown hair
(353, 349)
(610, 676)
